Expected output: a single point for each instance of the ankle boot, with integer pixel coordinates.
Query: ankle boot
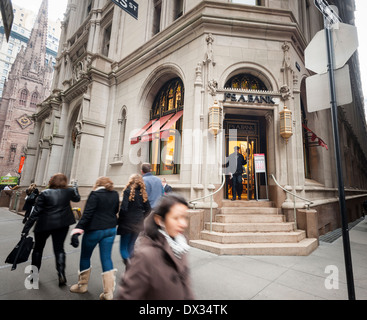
(82, 285)
(108, 279)
(60, 267)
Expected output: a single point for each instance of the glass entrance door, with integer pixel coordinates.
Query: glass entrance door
(247, 147)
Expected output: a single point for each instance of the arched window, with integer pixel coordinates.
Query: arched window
(122, 131)
(34, 99)
(168, 99)
(23, 97)
(167, 110)
(245, 81)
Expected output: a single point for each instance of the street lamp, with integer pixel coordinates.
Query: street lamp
(215, 118)
(286, 123)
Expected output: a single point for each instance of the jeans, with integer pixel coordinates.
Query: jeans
(236, 185)
(127, 243)
(105, 239)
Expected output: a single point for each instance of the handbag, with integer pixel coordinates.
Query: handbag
(21, 251)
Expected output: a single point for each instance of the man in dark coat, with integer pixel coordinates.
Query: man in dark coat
(235, 168)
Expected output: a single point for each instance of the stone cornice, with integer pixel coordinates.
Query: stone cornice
(218, 18)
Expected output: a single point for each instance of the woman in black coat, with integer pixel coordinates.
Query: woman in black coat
(134, 208)
(98, 226)
(53, 215)
(32, 194)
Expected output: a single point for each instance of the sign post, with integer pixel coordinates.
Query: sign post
(331, 19)
(260, 167)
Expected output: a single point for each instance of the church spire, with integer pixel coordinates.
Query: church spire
(35, 52)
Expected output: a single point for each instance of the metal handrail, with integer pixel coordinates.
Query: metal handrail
(294, 200)
(211, 200)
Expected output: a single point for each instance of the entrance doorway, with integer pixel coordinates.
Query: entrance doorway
(249, 135)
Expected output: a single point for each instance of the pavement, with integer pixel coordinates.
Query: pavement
(319, 276)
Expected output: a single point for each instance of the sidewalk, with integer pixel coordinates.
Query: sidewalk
(213, 277)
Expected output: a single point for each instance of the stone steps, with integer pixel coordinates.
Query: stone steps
(250, 227)
(253, 237)
(302, 248)
(253, 228)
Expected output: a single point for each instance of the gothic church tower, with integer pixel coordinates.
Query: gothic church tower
(28, 84)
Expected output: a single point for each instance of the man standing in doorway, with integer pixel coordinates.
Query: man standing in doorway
(236, 163)
(153, 185)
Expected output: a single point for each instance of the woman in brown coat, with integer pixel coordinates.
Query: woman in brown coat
(159, 269)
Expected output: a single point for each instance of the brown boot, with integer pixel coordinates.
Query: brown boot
(82, 285)
(108, 279)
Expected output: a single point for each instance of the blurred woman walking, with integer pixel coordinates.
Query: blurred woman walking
(159, 268)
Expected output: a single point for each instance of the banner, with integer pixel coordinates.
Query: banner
(6, 180)
(22, 158)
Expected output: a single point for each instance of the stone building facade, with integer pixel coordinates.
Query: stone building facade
(131, 90)
(29, 83)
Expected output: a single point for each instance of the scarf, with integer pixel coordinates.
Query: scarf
(178, 245)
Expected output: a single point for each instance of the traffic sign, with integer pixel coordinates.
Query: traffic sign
(130, 6)
(345, 42)
(318, 90)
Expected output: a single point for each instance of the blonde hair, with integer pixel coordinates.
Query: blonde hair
(104, 182)
(135, 181)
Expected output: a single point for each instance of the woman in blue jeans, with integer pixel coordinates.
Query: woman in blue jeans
(98, 226)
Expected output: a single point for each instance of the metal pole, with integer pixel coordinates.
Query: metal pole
(334, 116)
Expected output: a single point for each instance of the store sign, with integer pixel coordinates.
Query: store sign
(130, 6)
(259, 160)
(250, 98)
(6, 180)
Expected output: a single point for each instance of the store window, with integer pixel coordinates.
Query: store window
(165, 144)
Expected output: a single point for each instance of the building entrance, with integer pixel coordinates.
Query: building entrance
(249, 135)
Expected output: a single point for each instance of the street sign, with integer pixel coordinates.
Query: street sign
(7, 15)
(130, 6)
(318, 90)
(345, 42)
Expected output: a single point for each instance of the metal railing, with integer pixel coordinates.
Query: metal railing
(307, 205)
(211, 200)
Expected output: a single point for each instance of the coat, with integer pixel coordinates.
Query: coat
(100, 211)
(132, 213)
(154, 188)
(155, 273)
(235, 163)
(30, 201)
(52, 210)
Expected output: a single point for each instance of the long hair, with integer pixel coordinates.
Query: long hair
(164, 206)
(136, 181)
(58, 181)
(104, 182)
(32, 187)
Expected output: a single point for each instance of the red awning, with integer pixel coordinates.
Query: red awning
(314, 137)
(136, 138)
(149, 134)
(169, 124)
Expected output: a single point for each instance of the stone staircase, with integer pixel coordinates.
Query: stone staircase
(253, 228)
